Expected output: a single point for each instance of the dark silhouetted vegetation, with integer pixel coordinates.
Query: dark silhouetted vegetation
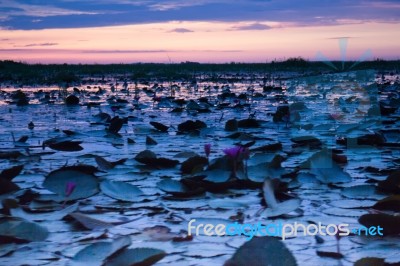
(68, 74)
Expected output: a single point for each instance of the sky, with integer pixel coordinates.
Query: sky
(209, 31)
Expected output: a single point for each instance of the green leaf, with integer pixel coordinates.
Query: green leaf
(86, 184)
(262, 251)
(121, 191)
(96, 253)
(22, 230)
(137, 256)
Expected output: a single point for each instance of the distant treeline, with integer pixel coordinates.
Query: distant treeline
(57, 74)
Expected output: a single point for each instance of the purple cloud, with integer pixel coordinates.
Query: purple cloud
(181, 30)
(41, 44)
(254, 26)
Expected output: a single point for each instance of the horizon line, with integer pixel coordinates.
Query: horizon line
(288, 60)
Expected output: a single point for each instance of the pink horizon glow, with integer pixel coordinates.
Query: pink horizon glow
(206, 42)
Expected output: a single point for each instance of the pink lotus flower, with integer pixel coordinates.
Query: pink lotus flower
(237, 152)
(207, 149)
(69, 188)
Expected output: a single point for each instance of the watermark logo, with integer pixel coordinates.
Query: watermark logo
(343, 44)
(279, 229)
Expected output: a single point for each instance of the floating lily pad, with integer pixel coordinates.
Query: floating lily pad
(217, 176)
(86, 184)
(89, 222)
(137, 256)
(116, 124)
(22, 230)
(260, 158)
(390, 253)
(362, 192)
(51, 216)
(344, 212)
(326, 170)
(392, 183)
(149, 158)
(12, 172)
(103, 163)
(63, 144)
(190, 125)
(193, 163)
(177, 188)
(307, 178)
(227, 204)
(307, 141)
(159, 126)
(262, 251)
(370, 262)
(121, 191)
(329, 254)
(150, 141)
(248, 123)
(352, 204)
(142, 156)
(391, 203)
(258, 173)
(6, 176)
(97, 253)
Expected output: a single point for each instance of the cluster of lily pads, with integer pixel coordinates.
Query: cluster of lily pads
(127, 181)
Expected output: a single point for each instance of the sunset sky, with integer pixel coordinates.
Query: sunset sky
(129, 31)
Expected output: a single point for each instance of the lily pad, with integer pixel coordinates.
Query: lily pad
(392, 183)
(103, 163)
(262, 251)
(86, 184)
(344, 212)
(159, 126)
(63, 144)
(190, 125)
(177, 188)
(192, 163)
(227, 204)
(258, 173)
(52, 216)
(89, 222)
(137, 256)
(22, 230)
(217, 176)
(391, 203)
(149, 158)
(352, 204)
(362, 192)
(121, 191)
(329, 254)
(97, 253)
(12, 172)
(326, 170)
(370, 262)
(307, 141)
(6, 176)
